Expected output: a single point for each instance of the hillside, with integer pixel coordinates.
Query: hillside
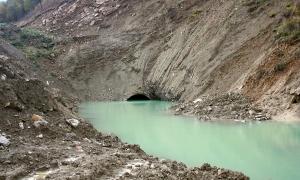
(75, 51)
(177, 51)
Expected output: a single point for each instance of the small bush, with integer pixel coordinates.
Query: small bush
(168, 37)
(180, 2)
(288, 4)
(30, 34)
(46, 39)
(53, 74)
(195, 12)
(280, 53)
(272, 14)
(289, 32)
(281, 66)
(252, 8)
(228, 25)
(254, 4)
(17, 43)
(236, 55)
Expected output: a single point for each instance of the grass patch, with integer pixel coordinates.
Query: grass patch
(17, 43)
(168, 37)
(229, 25)
(288, 4)
(53, 74)
(280, 53)
(236, 55)
(272, 14)
(280, 66)
(34, 54)
(289, 32)
(254, 4)
(195, 13)
(30, 34)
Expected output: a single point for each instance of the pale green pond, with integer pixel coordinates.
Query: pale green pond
(262, 150)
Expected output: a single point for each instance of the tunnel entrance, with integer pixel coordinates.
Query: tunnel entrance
(138, 97)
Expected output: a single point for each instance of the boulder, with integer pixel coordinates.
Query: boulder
(36, 117)
(38, 121)
(4, 141)
(73, 122)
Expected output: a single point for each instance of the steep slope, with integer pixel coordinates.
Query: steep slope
(174, 50)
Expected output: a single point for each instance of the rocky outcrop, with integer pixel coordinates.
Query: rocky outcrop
(173, 51)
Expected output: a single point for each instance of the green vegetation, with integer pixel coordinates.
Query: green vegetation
(272, 14)
(254, 4)
(168, 37)
(289, 31)
(33, 43)
(30, 34)
(228, 25)
(180, 2)
(53, 74)
(17, 43)
(280, 66)
(34, 54)
(13, 10)
(195, 12)
(288, 4)
(236, 55)
(280, 53)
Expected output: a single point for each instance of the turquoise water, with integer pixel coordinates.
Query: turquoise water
(262, 150)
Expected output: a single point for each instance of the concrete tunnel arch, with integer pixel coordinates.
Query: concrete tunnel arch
(139, 97)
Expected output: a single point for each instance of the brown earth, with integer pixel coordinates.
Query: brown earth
(109, 50)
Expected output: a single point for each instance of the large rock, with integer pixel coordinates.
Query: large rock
(38, 121)
(73, 122)
(4, 141)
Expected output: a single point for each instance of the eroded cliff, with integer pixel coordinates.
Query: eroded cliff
(175, 51)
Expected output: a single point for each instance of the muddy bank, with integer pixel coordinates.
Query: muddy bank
(104, 157)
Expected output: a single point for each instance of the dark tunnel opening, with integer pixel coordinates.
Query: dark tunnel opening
(138, 97)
